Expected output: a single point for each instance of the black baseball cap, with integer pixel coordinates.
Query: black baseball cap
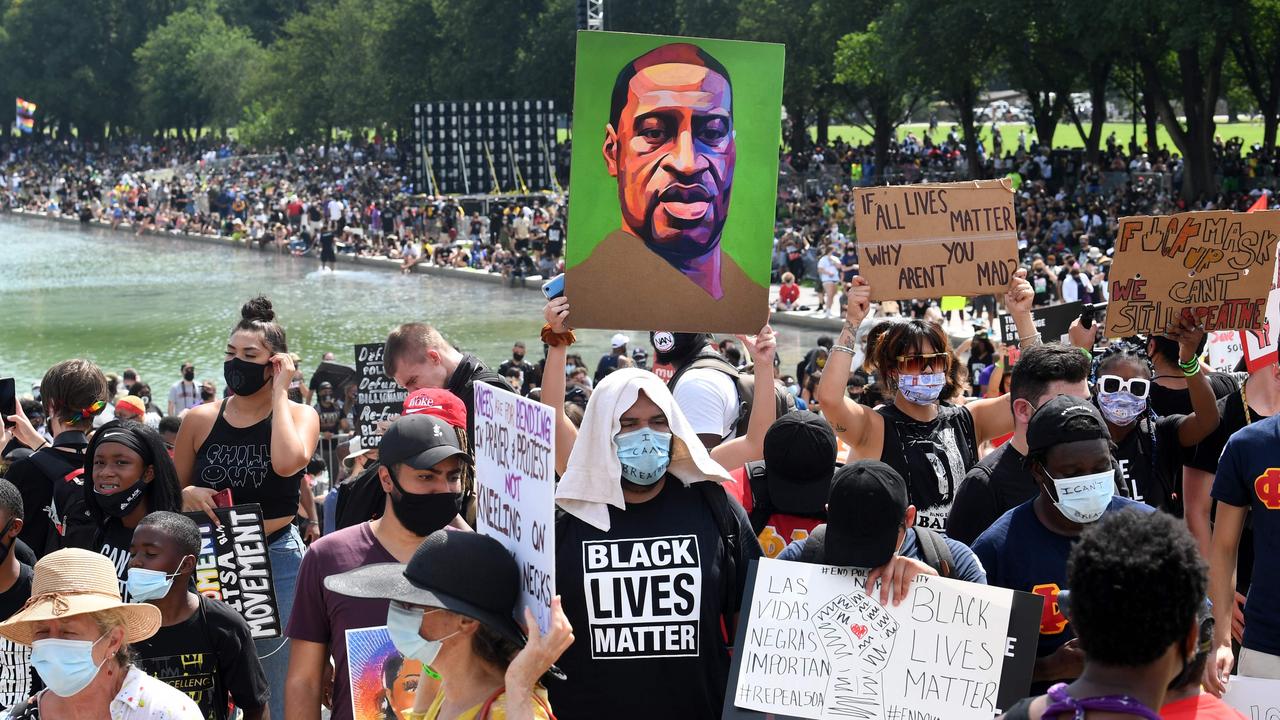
(420, 441)
(1064, 419)
(676, 346)
(867, 507)
(463, 572)
(799, 461)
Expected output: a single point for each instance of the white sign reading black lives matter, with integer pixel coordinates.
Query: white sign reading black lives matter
(814, 645)
(379, 400)
(235, 567)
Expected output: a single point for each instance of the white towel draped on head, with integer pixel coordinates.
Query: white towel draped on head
(593, 479)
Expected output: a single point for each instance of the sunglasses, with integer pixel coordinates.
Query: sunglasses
(1138, 387)
(915, 364)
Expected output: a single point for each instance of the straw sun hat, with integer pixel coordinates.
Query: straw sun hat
(78, 582)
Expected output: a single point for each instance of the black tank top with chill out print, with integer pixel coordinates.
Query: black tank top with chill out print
(240, 459)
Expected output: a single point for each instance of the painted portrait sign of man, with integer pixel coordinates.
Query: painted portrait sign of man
(670, 145)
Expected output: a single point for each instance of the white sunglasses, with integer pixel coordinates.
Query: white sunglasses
(1138, 387)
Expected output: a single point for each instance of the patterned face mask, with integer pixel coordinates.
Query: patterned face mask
(922, 389)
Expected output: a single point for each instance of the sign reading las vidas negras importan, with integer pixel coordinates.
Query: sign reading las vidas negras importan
(675, 173)
(1214, 268)
(812, 644)
(917, 241)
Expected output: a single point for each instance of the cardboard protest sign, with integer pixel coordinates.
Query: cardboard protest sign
(1053, 322)
(923, 241)
(814, 645)
(234, 566)
(1257, 698)
(383, 682)
(675, 174)
(1225, 349)
(515, 489)
(1260, 345)
(379, 399)
(1214, 268)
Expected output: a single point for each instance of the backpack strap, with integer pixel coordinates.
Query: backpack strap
(727, 527)
(812, 552)
(761, 506)
(708, 358)
(934, 550)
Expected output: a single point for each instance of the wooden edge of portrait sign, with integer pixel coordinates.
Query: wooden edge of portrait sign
(1213, 268)
(924, 241)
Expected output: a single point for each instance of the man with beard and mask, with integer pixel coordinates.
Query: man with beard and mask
(1070, 458)
(670, 144)
(705, 385)
(421, 473)
(185, 393)
(330, 410)
(518, 362)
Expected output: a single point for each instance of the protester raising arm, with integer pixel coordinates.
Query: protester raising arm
(854, 423)
(992, 416)
(1204, 415)
(553, 380)
(731, 454)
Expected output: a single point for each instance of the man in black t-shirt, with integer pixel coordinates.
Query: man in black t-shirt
(518, 362)
(1000, 482)
(203, 647)
(16, 678)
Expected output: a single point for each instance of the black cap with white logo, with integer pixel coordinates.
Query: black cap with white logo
(420, 441)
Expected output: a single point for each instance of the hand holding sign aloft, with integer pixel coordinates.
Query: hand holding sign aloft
(859, 296)
(1188, 335)
(534, 659)
(761, 347)
(1204, 416)
(742, 450)
(556, 312)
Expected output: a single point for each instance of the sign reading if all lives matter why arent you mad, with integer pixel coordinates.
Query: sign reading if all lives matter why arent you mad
(813, 644)
(1213, 268)
(379, 400)
(516, 488)
(923, 241)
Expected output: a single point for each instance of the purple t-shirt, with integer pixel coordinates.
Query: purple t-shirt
(321, 616)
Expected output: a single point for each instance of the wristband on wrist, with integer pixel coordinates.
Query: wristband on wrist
(555, 339)
(1027, 342)
(1190, 368)
(843, 349)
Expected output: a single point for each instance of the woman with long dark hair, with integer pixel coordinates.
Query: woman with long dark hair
(127, 474)
(257, 444)
(929, 442)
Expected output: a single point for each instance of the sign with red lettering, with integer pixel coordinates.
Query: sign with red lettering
(1214, 268)
(924, 241)
(1260, 345)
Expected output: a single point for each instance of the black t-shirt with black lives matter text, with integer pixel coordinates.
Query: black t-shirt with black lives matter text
(209, 656)
(645, 600)
(16, 676)
(933, 457)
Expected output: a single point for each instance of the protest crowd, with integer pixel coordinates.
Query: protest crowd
(1125, 482)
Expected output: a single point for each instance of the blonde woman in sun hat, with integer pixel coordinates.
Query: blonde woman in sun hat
(79, 631)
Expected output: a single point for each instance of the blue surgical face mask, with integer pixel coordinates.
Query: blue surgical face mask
(145, 585)
(403, 624)
(65, 666)
(644, 454)
(1121, 408)
(922, 389)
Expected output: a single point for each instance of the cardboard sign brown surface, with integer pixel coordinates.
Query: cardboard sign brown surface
(1212, 267)
(923, 241)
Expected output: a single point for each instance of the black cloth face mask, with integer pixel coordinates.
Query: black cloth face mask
(244, 377)
(424, 513)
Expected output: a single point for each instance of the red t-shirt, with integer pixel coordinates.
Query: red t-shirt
(781, 529)
(789, 293)
(1201, 707)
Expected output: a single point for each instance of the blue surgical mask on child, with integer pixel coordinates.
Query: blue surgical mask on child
(922, 389)
(144, 584)
(644, 454)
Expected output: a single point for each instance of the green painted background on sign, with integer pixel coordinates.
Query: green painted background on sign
(755, 71)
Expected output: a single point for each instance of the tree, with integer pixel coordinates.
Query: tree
(265, 19)
(1257, 57)
(953, 51)
(1036, 47)
(880, 88)
(1093, 49)
(1180, 47)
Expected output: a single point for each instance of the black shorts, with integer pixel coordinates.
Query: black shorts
(327, 255)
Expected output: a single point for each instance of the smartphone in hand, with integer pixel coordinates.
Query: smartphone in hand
(554, 287)
(8, 400)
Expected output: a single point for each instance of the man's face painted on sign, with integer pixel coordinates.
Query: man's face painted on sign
(672, 151)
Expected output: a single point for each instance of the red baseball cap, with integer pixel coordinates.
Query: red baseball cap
(438, 402)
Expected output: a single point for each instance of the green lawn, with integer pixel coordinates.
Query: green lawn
(1065, 136)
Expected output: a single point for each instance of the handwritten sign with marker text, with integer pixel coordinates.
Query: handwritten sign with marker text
(1257, 698)
(379, 400)
(515, 489)
(1214, 268)
(815, 645)
(920, 241)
